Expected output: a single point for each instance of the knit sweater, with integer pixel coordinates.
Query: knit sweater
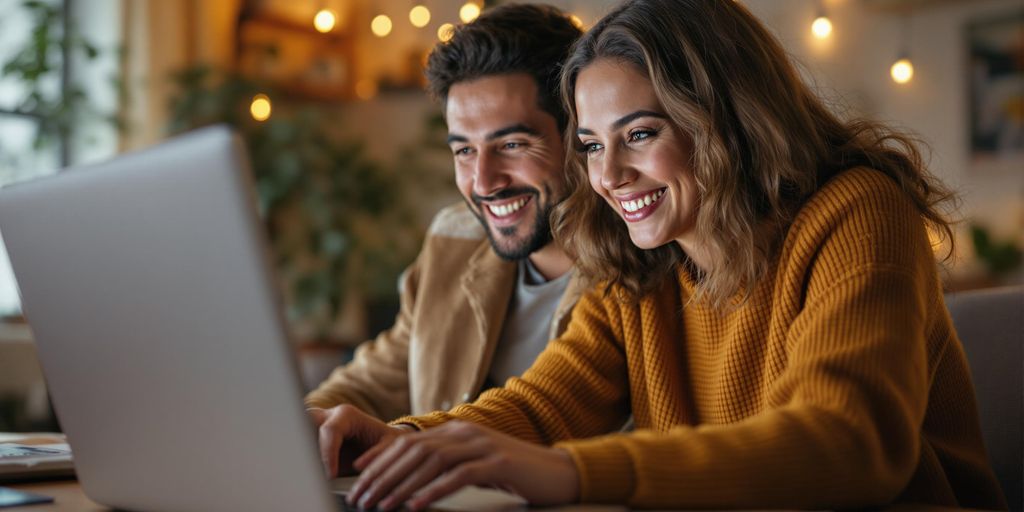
(839, 383)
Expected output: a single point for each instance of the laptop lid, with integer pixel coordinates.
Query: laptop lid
(147, 284)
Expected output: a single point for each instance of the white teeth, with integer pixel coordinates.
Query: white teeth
(506, 209)
(637, 204)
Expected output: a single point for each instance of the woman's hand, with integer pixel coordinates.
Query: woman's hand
(427, 466)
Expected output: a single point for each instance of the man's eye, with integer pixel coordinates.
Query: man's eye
(513, 145)
(461, 151)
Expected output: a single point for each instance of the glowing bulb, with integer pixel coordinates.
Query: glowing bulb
(821, 27)
(576, 21)
(324, 20)
(366, 89)
(902, 71)
(419, 16)
(381, 26)
(260, 107)
(469, 12)
(445, 32)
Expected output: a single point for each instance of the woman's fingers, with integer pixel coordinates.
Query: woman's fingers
(425, 453)
(369, 456)
(474, 472)
(441, 459)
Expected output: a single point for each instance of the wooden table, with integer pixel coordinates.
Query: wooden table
(68, 497)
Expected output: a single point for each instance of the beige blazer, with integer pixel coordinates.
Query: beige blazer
(437, 354)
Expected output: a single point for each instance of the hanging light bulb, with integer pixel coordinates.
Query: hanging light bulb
(445, 32)
(469, 12)
(902, 71)
(419, 16)
(381, 25)
(260, 107)
(822, 27)
(576, 21)
(325, 20)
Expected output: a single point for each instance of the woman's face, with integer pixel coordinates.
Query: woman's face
(637, 160)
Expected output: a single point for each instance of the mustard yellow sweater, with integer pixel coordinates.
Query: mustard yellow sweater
(840, 383)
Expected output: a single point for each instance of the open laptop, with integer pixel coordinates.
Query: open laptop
(145, 281)
(148, 286)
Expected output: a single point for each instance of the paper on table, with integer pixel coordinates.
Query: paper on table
(19, 461)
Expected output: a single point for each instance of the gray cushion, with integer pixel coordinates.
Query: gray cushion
(990, 324)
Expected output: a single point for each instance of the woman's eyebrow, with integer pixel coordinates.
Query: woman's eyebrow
(624, 120)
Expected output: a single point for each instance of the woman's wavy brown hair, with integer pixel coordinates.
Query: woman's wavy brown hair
(762, 144)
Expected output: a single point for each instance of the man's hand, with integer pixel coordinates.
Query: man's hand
(345, 433)
(420, 468)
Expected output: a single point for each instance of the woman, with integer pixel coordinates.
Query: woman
(769, 310)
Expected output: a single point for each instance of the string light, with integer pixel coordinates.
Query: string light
(260, 107)
(469, 12)
(576, 21)
(445, 32)
(419, 16)
(325, 20)
(381, 25)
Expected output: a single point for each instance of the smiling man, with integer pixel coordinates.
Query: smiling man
(490, 287)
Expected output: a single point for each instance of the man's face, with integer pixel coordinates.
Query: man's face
(508, 159)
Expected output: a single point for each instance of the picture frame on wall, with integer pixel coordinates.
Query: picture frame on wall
(996, 86)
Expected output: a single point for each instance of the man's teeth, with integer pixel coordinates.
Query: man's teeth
(505, 210)
(632, 206)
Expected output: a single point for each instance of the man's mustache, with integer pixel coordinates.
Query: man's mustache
(504, 194)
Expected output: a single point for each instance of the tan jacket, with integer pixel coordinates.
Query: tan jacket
(453, 303)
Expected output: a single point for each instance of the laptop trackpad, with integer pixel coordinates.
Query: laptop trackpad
(467, 499)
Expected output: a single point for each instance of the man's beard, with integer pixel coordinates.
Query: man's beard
(509, 247)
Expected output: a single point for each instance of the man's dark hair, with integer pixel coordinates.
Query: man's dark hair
(513, 38)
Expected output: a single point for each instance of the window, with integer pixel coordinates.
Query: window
(92, 139)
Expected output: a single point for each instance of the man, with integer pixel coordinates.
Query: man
(490, 287)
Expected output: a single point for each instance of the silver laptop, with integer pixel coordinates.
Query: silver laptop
(147, 285)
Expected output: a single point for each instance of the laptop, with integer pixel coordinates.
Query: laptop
(147, 284)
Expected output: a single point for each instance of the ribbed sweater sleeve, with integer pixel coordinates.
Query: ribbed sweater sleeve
(577, 387)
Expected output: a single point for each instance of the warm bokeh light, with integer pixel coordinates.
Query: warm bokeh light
(419, 16)
(821, 27)
(366, 89)
(381, 25)
(325, 20)
(260, 107)
(445, 32)
(469, 12)
(902, 71)
(576, 21)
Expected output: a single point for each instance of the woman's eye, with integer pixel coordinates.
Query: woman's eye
(590, 148)
(639, 135)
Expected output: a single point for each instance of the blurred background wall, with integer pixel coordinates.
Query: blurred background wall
(349, 153)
